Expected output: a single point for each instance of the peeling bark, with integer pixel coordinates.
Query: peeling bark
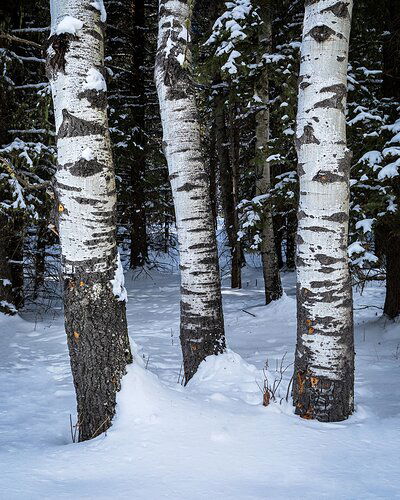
(95, 318)
(324, 364)
(202, 327)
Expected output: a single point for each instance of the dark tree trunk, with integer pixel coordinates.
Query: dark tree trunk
(40, 261)
(227, 153)
(291, 229)
(391, 50)
(99, 351)
(7, 299)
(213, 173)
(139, 249)
(278, 223)
(392, 299)
(16, 260)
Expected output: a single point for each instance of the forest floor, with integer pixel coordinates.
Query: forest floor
(212, 439)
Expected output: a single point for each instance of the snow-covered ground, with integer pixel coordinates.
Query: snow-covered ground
(212, 439)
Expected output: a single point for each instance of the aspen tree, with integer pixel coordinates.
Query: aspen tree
(202, 326)
(94, 294)
(324, 365)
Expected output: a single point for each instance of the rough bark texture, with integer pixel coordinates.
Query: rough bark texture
(324, 364)
(95, 319)
(202, 327)
(272, 279)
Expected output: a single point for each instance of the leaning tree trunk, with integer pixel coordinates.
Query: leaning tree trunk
(324, 364)
(272, 278)
(202, 327)
(95, 318)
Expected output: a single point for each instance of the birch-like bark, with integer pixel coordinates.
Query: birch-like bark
(95, 318)
(324, 364)
(272, 278)
(202, 327)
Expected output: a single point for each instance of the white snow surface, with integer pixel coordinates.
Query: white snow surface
(95, 81)
(99, 5)
(69, 24)
(118, 283)
(212, 439)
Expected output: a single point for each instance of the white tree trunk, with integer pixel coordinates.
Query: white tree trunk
(324, 366)
(86, 199)
(202, 328)
(272, 278)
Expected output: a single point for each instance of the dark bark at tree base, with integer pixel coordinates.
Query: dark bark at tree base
(320, 397)
(95, 323)
(197, 343)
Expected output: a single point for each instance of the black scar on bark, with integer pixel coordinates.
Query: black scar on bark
(326, 260)
(84, 168)
(336, 101)
(97, 98)
(318, 229)
(188, 186)
(337, 217)
(302, 215)
(326, 177)
(307, 137)
(304, 85)
(86, 201)
(321, 33)
(300, 169)
(339, 9)
(73, 126)
(60, 45)
(345, 163)
(60, 185)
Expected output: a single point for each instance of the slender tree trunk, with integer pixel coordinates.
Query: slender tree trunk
(291, 228)
(139, 251)
(392, 300)
(95, 318)
(39, 260)
(391, 50)
(272, 278)
(324, 365)
(7, 299)
(202, 327)
(213, 173)
(234, 151)
(389, 241)
(227, 182)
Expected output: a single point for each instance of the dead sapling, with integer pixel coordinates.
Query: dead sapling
(269, 387)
